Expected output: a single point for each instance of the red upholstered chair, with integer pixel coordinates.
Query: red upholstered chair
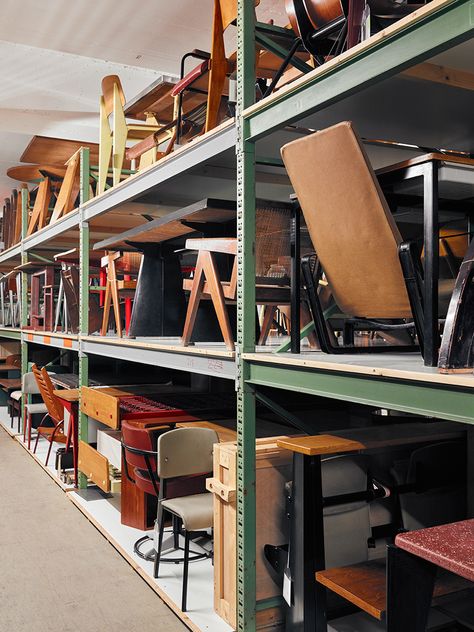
(139, 446)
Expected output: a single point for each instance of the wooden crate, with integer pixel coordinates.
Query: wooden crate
(273, 471)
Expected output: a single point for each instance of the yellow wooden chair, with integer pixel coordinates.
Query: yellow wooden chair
(113, 139)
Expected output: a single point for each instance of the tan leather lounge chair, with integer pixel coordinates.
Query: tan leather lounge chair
(356, 241)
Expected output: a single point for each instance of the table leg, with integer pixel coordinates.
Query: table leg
(410, 583)
(308, 610)
(431, 272)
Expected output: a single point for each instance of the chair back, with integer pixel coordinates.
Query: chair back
(350, 224)
(346, 525)
(29, 385)
(108, 84)
(138, 438)
(186, 451)
(438, 472)
(46, 388)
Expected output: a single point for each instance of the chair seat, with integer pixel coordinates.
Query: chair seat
(191, 77)
(47, 431)
(36, 409)
(16, 395)
(196, 512)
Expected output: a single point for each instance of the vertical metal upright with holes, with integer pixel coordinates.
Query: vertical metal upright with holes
(246, 507)
(83, 291)
(24, 298)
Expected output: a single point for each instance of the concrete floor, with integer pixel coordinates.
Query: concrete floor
(57, 572)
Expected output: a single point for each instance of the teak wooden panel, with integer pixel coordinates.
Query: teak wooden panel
(364, 585)
(102, 406)
(274, 469)
(94, 465)
(56, 151)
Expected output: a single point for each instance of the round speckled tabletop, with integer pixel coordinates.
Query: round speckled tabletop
(450, 546)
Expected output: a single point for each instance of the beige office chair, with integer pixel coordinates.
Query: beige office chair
(354, 235)
(185, 452)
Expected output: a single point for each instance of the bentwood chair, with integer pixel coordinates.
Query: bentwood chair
(55, 412)
(375, 279)
(185, 452)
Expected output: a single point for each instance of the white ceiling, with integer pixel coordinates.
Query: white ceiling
(55, 53)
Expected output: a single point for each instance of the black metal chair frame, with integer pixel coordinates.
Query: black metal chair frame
(411, 268)
(160, 491)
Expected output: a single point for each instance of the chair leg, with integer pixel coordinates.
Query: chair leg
(119, 139)
(29, 420)
(218, 300)
(193, 303)
(49, 450)
(185, 572)
(36, 442)
(106, 314)
(268, 316)
(105, 148)
(176, 532)
(156, 567)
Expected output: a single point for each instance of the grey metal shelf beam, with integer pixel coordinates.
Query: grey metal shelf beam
(214, 366)
(175, 164)
(43, 236)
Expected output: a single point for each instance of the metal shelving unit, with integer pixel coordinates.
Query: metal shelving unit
(240, 160)
(436, 27)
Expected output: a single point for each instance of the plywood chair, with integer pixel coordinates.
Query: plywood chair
(55, 410)
(356, 239)
(40, 210)
(113, 139)
(69, 189)
(128, 263)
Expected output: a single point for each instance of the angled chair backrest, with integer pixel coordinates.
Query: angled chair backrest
(438, 472)
(186, 451)
(346, 525)
(138, 438)
(29, 385)
(350, 224)
(108, 84)
(46, 388)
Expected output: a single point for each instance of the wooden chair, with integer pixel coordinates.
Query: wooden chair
(128, 264)
(113, 139)
(55, 412)
(39, 214)
(273, 243)
(279, 50)
(374, 278)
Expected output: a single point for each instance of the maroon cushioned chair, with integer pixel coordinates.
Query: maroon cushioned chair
(139, 446)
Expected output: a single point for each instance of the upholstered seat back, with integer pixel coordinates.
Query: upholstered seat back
(349, 222)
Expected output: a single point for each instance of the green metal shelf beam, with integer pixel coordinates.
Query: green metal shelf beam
(421, 398)
(11, 335)
(448, 26)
